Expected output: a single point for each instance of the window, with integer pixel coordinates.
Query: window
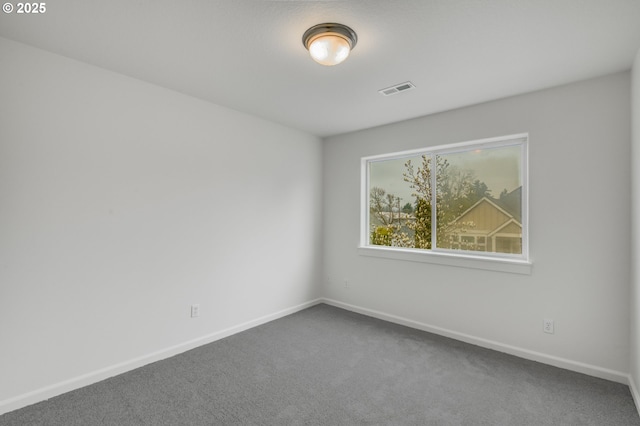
(466, 200)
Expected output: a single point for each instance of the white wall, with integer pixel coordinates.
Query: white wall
(121, 204)
(635, 214)
(579, 231)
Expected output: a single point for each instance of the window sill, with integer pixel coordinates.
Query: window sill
(514, 266)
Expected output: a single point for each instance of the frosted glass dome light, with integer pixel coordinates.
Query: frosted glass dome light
(329, 44)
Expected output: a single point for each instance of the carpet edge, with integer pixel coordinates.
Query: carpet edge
(634, 392)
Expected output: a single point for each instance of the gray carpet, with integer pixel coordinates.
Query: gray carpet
(327, 366)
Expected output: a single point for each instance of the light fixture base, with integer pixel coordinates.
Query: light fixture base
(330, 27)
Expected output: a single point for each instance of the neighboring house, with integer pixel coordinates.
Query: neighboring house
(490, 225)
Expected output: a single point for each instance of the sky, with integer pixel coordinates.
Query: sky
(499, 168)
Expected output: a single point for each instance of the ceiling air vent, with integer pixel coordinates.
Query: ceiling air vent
(402, 87)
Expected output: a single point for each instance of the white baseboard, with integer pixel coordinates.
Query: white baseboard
(634, 393)
(56, 389)
(555, 361)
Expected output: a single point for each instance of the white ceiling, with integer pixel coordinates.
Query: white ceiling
(248, 55)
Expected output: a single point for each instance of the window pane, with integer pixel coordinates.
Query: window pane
(391, 203)
(479, 200)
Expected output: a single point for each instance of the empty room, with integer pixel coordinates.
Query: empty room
(221, 212)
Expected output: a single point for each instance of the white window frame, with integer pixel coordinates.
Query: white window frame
(503, 262)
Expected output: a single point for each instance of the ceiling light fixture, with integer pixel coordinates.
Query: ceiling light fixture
(330, 43)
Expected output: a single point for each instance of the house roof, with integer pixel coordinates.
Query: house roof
(511, 203)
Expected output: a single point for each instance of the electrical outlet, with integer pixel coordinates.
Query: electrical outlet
(547, 326)
(346, 283)
(195, 311)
